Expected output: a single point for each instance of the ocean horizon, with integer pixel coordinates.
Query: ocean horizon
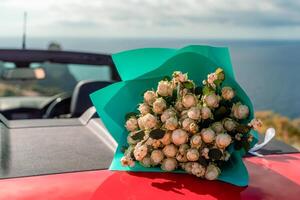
(268, 70)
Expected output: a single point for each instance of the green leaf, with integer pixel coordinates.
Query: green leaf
(157, 134)
(207, 90)
(130, 114)
(138, 136)
(188, 85)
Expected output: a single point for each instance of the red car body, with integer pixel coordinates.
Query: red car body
(271, 177)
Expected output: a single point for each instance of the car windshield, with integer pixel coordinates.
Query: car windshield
(59, 78)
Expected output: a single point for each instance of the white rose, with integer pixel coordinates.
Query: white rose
(140, 152)
(149, 97)
(157, 156)
(229, 124)
(192, 154)
(208, 135)
(170, 150)
(171, 124)
(223, 140)
(240, 111)
(159, 106)
(181, 157)
(189, 100)
(144, 108)
(167, 139)
(227, 93)
(131, 124)
(212, 100)
(169, 164)
(164, 88)
(127, 161)
(179, 77)
(256, 124)
(198, 170)
(186, 123)
(212, 172)
(179, 137)
(188, 166)
(196, 141)
(194, 113)
(167, 114)
(205, 113)
(217, 127)
(146, 161)
(149, 121)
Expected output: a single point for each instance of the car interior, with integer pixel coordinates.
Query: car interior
(66, 134)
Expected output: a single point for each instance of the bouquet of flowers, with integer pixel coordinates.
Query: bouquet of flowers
(198, 121)
(181, 125)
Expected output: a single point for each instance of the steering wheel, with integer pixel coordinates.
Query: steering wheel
(59, 106)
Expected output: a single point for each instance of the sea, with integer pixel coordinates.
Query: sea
(268, 70)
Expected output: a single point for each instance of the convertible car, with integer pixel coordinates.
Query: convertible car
(54, 146)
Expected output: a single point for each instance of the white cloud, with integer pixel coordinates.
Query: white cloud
(153, 18)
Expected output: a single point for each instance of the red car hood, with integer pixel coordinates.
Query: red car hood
(271, 177)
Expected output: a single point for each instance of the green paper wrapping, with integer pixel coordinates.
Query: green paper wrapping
(142, 69)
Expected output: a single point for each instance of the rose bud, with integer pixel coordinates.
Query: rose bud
(212, 172)
(194, 128)
(187, 167)
(211, 78)
(169, 164)
(164, 88)
(149, 121)
(240, 111)
(167, 114)
(179, 77)
(198, 170)
(146, 162)
(208, 135)
(171, 123)
(170, 150)
(217, 127)
(238, 136)
(181, 157)
(159, 106)
(153, 142)
(141, 123)
(192, 154)
(167, 139)
(179, 136)
(127, 161)
(156, 157)
(227, 93)
(256, 124)
(140, 152)
(194, 113)
(196, 141)
(205, 152)
(144, 108)
(149, 97)
(205, 113)
(183, 148)
(229, 124)
(131, 124)
(186, 124)
(212, 100)
(179, 106)
(223, 140)
(189, 100)
(226, 156)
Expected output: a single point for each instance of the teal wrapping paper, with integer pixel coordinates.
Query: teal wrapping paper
(142, 69)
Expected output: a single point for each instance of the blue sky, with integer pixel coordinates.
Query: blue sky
(264, 19)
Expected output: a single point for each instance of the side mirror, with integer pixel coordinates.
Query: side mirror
(24, 74)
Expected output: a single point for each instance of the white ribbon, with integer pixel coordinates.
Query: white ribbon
(270, 133)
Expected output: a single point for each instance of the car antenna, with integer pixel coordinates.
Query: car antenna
(24, 31)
